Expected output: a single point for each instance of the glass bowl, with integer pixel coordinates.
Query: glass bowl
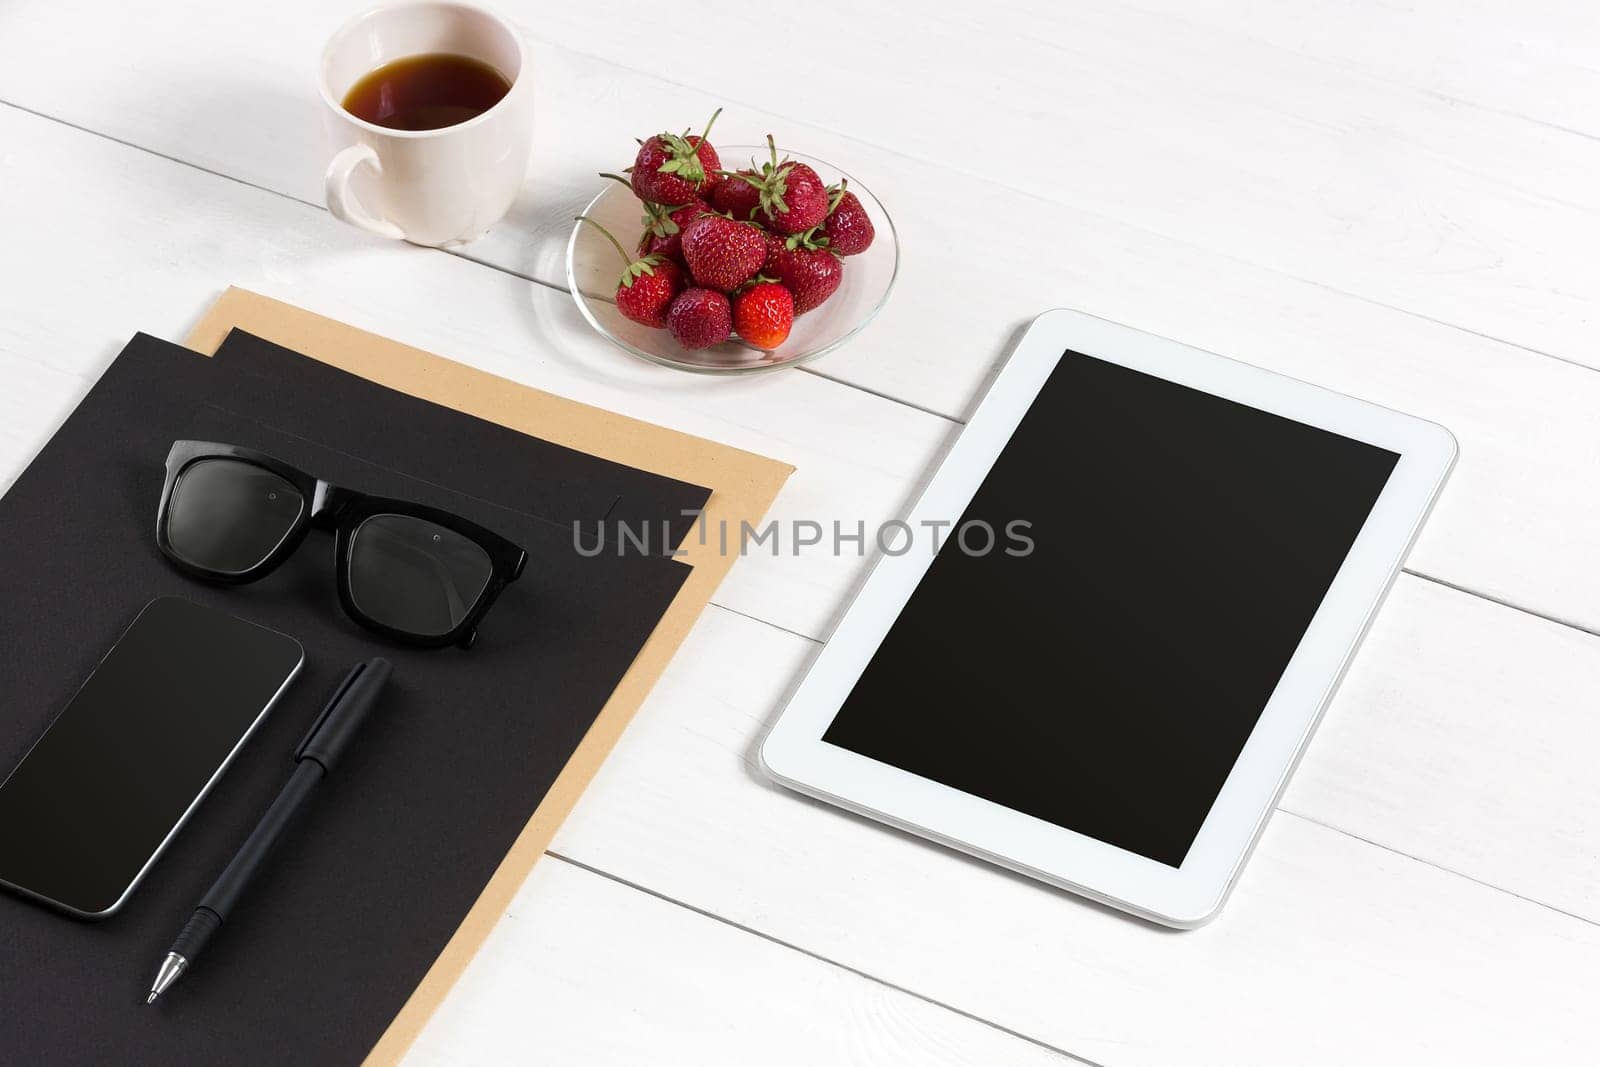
(593, 268)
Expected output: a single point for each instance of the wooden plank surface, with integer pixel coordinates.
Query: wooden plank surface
(1395, 202)
(1529, 426)
(1538, 62)
(1463, 214)
(1333, 919)
(594, 972)
(708, 852)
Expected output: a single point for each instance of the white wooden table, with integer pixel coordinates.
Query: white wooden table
(1399, 201)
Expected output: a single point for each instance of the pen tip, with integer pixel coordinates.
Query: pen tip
(171, 968)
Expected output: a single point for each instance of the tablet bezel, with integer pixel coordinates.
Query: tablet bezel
(795, 755)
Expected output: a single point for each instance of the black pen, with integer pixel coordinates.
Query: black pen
(324, 743)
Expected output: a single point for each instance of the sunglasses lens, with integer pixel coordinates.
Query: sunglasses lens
(227, 516)
(415, 576)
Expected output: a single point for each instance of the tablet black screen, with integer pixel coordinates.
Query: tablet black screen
(1107, 679)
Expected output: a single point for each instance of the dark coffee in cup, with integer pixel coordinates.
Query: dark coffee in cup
(426, 92)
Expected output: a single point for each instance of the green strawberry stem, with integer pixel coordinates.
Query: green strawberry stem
(657, 217)
(614, 242)
(684, 158)
(751, 283)
(749, 179)
(838, 195)
(632, 268)
(811, 240)
(712, 121)
(774, 181)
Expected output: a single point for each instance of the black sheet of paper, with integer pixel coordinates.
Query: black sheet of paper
(310, 398)
(358, 904)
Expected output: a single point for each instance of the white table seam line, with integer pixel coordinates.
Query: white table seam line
(1498, 601)
(1554, 620)
(463, 254)
(809, 954)
(1084, 210)
(1435, 866)
(1113, 220)
(1368, 76)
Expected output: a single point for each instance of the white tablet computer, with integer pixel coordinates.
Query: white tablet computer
(1153, 566)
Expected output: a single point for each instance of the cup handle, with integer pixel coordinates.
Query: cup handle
(343, 203)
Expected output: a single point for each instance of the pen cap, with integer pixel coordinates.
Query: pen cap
(346, 710)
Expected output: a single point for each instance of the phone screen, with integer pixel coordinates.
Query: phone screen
(95, 799)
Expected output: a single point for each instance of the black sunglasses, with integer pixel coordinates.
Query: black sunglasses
(407, 571)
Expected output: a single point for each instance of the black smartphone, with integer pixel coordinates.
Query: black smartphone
(98, 796)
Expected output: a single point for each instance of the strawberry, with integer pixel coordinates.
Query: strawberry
(722, 253)
(673, 168)
(810, 272)
(800, 204)
(663, 224)
(646, 299)
(663, 234)
(790, 195)
(736, 196)
(763, 314)
(848, 229)
(648, 284)
(700, 318)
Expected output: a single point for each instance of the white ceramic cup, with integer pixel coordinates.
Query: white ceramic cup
(441, 187)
